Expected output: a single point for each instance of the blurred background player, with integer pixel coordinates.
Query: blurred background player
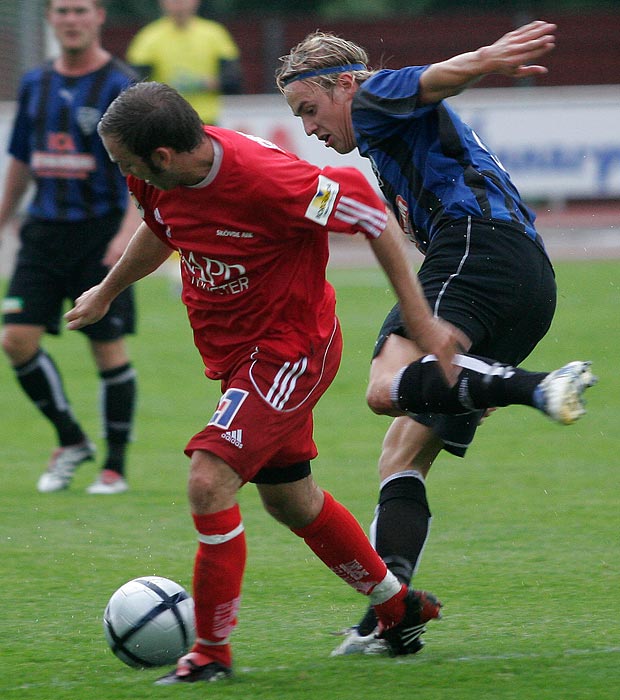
(485, 268)
(196, 56)
(78, 223)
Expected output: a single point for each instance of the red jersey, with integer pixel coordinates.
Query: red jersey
(253, 246)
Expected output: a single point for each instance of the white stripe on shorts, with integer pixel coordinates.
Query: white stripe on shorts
(285, 382)
(458, 270)
(286, 379)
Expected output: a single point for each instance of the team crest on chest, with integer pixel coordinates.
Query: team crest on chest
(87, 119)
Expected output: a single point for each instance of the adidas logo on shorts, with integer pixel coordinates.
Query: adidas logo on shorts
(235, 437)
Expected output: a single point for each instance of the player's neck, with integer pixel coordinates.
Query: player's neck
(181, 21)
(196, 166)
(81, 62)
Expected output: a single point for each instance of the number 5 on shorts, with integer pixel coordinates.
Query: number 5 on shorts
(227, 408)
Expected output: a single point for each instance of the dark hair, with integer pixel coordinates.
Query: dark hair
(148, 115)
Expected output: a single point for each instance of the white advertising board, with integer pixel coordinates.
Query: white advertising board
(557, 143)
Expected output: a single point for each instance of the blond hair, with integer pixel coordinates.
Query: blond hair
(322, 51)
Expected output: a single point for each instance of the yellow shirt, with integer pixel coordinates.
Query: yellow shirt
(183, 57)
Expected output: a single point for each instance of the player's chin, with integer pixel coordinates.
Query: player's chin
(339, 147)
(334, 146)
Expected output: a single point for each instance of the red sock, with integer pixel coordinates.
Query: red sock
(218, 572)
(338, 540)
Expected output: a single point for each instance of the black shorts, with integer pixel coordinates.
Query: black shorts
(494, 283)
(57, 262)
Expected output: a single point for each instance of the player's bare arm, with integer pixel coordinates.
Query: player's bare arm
(129, 225)
(144, 254)
(430, 334)
(512, 55)
(16, 182)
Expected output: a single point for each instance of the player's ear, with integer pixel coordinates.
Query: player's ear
(345, 88)
(101, 12)
(347, 84)
(161, 157)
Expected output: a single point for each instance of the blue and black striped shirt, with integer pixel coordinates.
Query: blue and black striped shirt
(432, 168)
(55, 133)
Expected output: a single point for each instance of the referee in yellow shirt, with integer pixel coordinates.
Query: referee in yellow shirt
(196, 56)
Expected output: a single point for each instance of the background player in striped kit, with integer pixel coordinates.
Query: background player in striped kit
(77, 226)
(485, 268)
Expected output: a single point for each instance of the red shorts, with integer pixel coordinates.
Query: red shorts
(264, 417)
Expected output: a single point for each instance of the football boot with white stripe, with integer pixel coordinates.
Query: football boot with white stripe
(404, 638)
(560, 394)
(356, 643)
(62, 466)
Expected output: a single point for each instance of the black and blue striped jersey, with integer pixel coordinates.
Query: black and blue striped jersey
(55, 133)
(432, 168)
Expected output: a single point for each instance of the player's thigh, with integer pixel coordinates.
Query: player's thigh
(34, 296)
(397, 351)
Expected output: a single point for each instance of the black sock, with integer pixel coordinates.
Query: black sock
(401, 524)
(42, 383)
(119, 399)
(481, 384)
(368, 623)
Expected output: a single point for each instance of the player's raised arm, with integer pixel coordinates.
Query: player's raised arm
(512, 55)
(144, 254)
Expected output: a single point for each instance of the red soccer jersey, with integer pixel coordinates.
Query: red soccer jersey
(253, 246)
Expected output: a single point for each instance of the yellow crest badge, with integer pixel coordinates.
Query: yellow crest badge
(323, 201)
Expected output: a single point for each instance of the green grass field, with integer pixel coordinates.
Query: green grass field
(524, 547)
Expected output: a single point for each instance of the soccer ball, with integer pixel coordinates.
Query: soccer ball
(149, 621)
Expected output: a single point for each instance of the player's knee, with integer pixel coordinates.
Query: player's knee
(378, 399)
(17, 348)
(212, 484)
(6, 344)
(375, 405)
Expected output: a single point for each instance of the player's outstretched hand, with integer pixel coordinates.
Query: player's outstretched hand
(514, 53)
(443, 340)
(89, 308)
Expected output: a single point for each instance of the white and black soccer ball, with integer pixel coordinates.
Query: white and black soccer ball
(149, 622)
